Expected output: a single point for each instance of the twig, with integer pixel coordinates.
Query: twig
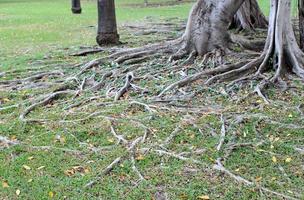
(120, 138)
(259, 92)
(147, 107)
(124, 89)
(218, 166)
(5, 142)
(171, 136)
(223, 134)
(106, 171)
(43, 102)
(86, 52)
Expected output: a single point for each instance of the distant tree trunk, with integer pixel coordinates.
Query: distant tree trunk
(146, 2)
(76, 6)
(107, 28)
(301, 23)
(249, 16)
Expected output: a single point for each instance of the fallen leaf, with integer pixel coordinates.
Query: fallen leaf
(274, 159)
(18, 192)
(30, 158)
(77, 169)
(69, 172)
(5, 184)
(26, 167)
(140, 157)
(288, 160)
(111, 140)
(51, 194)
(13, 137)
(6, 100)
(30, 180)
(41, 167)
(258, 179)
(203, 197)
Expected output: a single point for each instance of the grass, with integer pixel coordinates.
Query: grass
(41, 33)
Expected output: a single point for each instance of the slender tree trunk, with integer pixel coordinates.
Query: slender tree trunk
(301, 22)
(249, 16)
(76, 6)
(107, 28)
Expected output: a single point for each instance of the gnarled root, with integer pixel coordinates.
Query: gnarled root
(281, 45)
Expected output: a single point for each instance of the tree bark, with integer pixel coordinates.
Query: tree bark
(76, 6)
(249, 17)
(107, 28)
(301, 23)
(207, 26)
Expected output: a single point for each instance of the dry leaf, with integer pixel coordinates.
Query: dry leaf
(69, 172)
(18, 192)
(26, 167)
(111, 140)
(5, 184)
(258, 179)
(41, 167)
(288, 160)
(30, 158)
(75, 169)
(51, 194)
(274, 159)
(140, 157)
(30, 180)
(203, 197)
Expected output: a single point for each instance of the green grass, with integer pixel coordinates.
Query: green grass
(40, 33)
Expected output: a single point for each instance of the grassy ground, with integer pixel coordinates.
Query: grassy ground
(55, 160)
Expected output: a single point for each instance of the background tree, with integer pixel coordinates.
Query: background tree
(301, 22)
(107, 28)
(76, 6)
(249, 16)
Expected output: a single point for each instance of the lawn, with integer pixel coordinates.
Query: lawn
(57, 159)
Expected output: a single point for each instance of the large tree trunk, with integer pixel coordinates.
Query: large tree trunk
(281, 50)
(281, 43)
(107, 28)
(249, 16)
(301, 22)
(207, 27)
(76, 6)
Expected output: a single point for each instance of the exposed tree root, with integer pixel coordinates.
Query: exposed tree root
(43, 102)
(219, 166)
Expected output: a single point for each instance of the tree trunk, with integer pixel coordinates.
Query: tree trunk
(76, 6)
(281, 52)
(207, 27)
(107, 28)
(301, 22)
(249, 16)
